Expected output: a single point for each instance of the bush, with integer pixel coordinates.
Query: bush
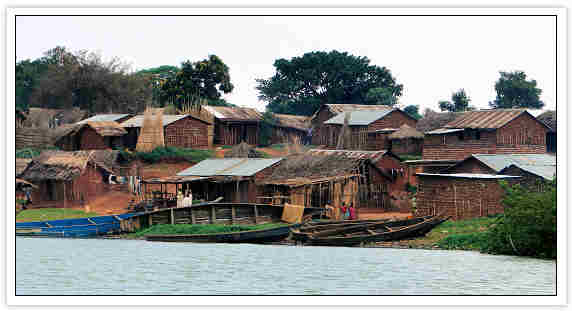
(173, 153)
(28, 153)
(467, 241)
(266, 128)
(528, 227)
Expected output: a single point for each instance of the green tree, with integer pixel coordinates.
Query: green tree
(156, 75)
(413, 110)
(267, 127)
(302, 84)
(459, 102)
(514, 91)
(205, 79)
(381, 96)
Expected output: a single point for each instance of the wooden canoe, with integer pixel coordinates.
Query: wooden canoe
(252, 236)
(388, 231)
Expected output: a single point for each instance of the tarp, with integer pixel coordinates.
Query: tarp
(292, 213)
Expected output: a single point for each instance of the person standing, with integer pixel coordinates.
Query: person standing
(343, 211)
(352, 211)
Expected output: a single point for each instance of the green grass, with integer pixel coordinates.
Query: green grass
(28, 153)
(203, 229)
(174, 153)
(263, 154)
(463, 234)
(407, 157)
(277, 146)
(227, 147)
(43, 214)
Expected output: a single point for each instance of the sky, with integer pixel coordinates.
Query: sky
(431, 56)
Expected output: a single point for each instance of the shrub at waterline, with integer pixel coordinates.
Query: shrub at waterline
(528, 227)
(45, 214)
(203, 229)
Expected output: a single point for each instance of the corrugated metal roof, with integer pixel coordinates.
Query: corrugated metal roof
(359, 117)
(547, 172)
(104, 117)
(339, 108)
(485, 119)
(137, 121)
(500, 161)
(548, 118)
(174, 180)
(443, 131)
(374, 156)
(234, 113)
(229, 167)
(469, 175)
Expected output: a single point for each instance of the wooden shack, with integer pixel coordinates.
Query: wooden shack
(460, 196)
(114, 117)
(496, 131)
(234, 125)
(406, 140)
(319, 133)
(234, 179)
(92, 135)
(68, 178)
(549, 118)
(314, 181)
(362, 124)
(290, 129)
(183, 131)
(425, 166)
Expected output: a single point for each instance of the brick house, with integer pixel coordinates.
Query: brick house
(234, 125)
(461, 196)
(498, 131)
(232, 178)
(549, 118)
(181, 130)
(319, 133)
(406, 140)
(370, 129)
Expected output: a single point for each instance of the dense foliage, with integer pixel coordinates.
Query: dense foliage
(28, 153)
(168, 153)
(459, 102)
(528, 227)
(266, 128)
(301, 85)
(413, 110)
(205, 79)
(514, 91)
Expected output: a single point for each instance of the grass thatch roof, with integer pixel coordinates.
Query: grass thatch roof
(405, 131)
(434, 120)
(301, 123)
(243, 150)
(548, 118)
(65, 166)
(107, 128)
(21, 165)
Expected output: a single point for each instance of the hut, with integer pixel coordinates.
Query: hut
(21, 165)
(369, 129)
(290, 129)
(502, 131)
(92, 135)
(243, 150)
(319, 133)
(115, 117)
(234, 179)
(460, 196)
(69, 177)
(412, 167)
(313, 181)
(549, 118)
(183, 131)
(406, 140)
(234, 125)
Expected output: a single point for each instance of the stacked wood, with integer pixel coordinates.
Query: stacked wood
(152, 135)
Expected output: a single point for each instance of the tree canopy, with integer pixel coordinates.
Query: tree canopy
(413, 110)
(459, 102)
(205, 79)
(514, 91)
(301, 85)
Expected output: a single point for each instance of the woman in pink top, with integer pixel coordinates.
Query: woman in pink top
(352, 211)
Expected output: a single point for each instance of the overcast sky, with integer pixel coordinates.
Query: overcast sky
(431, 56)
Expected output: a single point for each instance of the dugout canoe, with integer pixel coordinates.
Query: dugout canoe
(383, 231)
(251, 236)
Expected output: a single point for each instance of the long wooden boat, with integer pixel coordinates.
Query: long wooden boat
(383, 231)
(251, 236)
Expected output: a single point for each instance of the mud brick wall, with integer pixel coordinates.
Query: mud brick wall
(394, 119)
(187, 133)
(460, 198)
(451, 147)
(319, 134)
(406, 146)
(90, 140)
(232, 133)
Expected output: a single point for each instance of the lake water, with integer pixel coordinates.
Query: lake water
(47, 266)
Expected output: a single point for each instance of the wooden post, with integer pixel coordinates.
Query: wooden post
(150, 220)
(193, 217)
(233, 214)
(481, 207)
(455, 202)
(255, 214)
(172, 216)
(65, 198)
(213, 215)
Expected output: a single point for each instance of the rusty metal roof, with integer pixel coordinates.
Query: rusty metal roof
(234, 113)
(229, 167)
(292, 121)
(374, 156)
(485, 119)
(548, 118)
(443, 131)
(104, 117)
(137, 121)
(339, 108)
(469, 175)
(174, 180)
(359, 117)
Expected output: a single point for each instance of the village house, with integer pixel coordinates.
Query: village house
(319, 134)
(314, 181)
(290, 129)
(234, 125)
(92, 135)
(498, 131)
(65, 178)
(369, 129)
(115, 117)
(406, 140)
(234, 179)
(21, 165)
(181, 130)
(549, 118)
(413, 167)
(462, 195)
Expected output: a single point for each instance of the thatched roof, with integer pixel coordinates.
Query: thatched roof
(21, 165)
(243, 150)
(64, 166)
(548, 118)
(234, 113)
(434, 120)
(40, 117)
(292, 121)
(107, 128)
(405, 131)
